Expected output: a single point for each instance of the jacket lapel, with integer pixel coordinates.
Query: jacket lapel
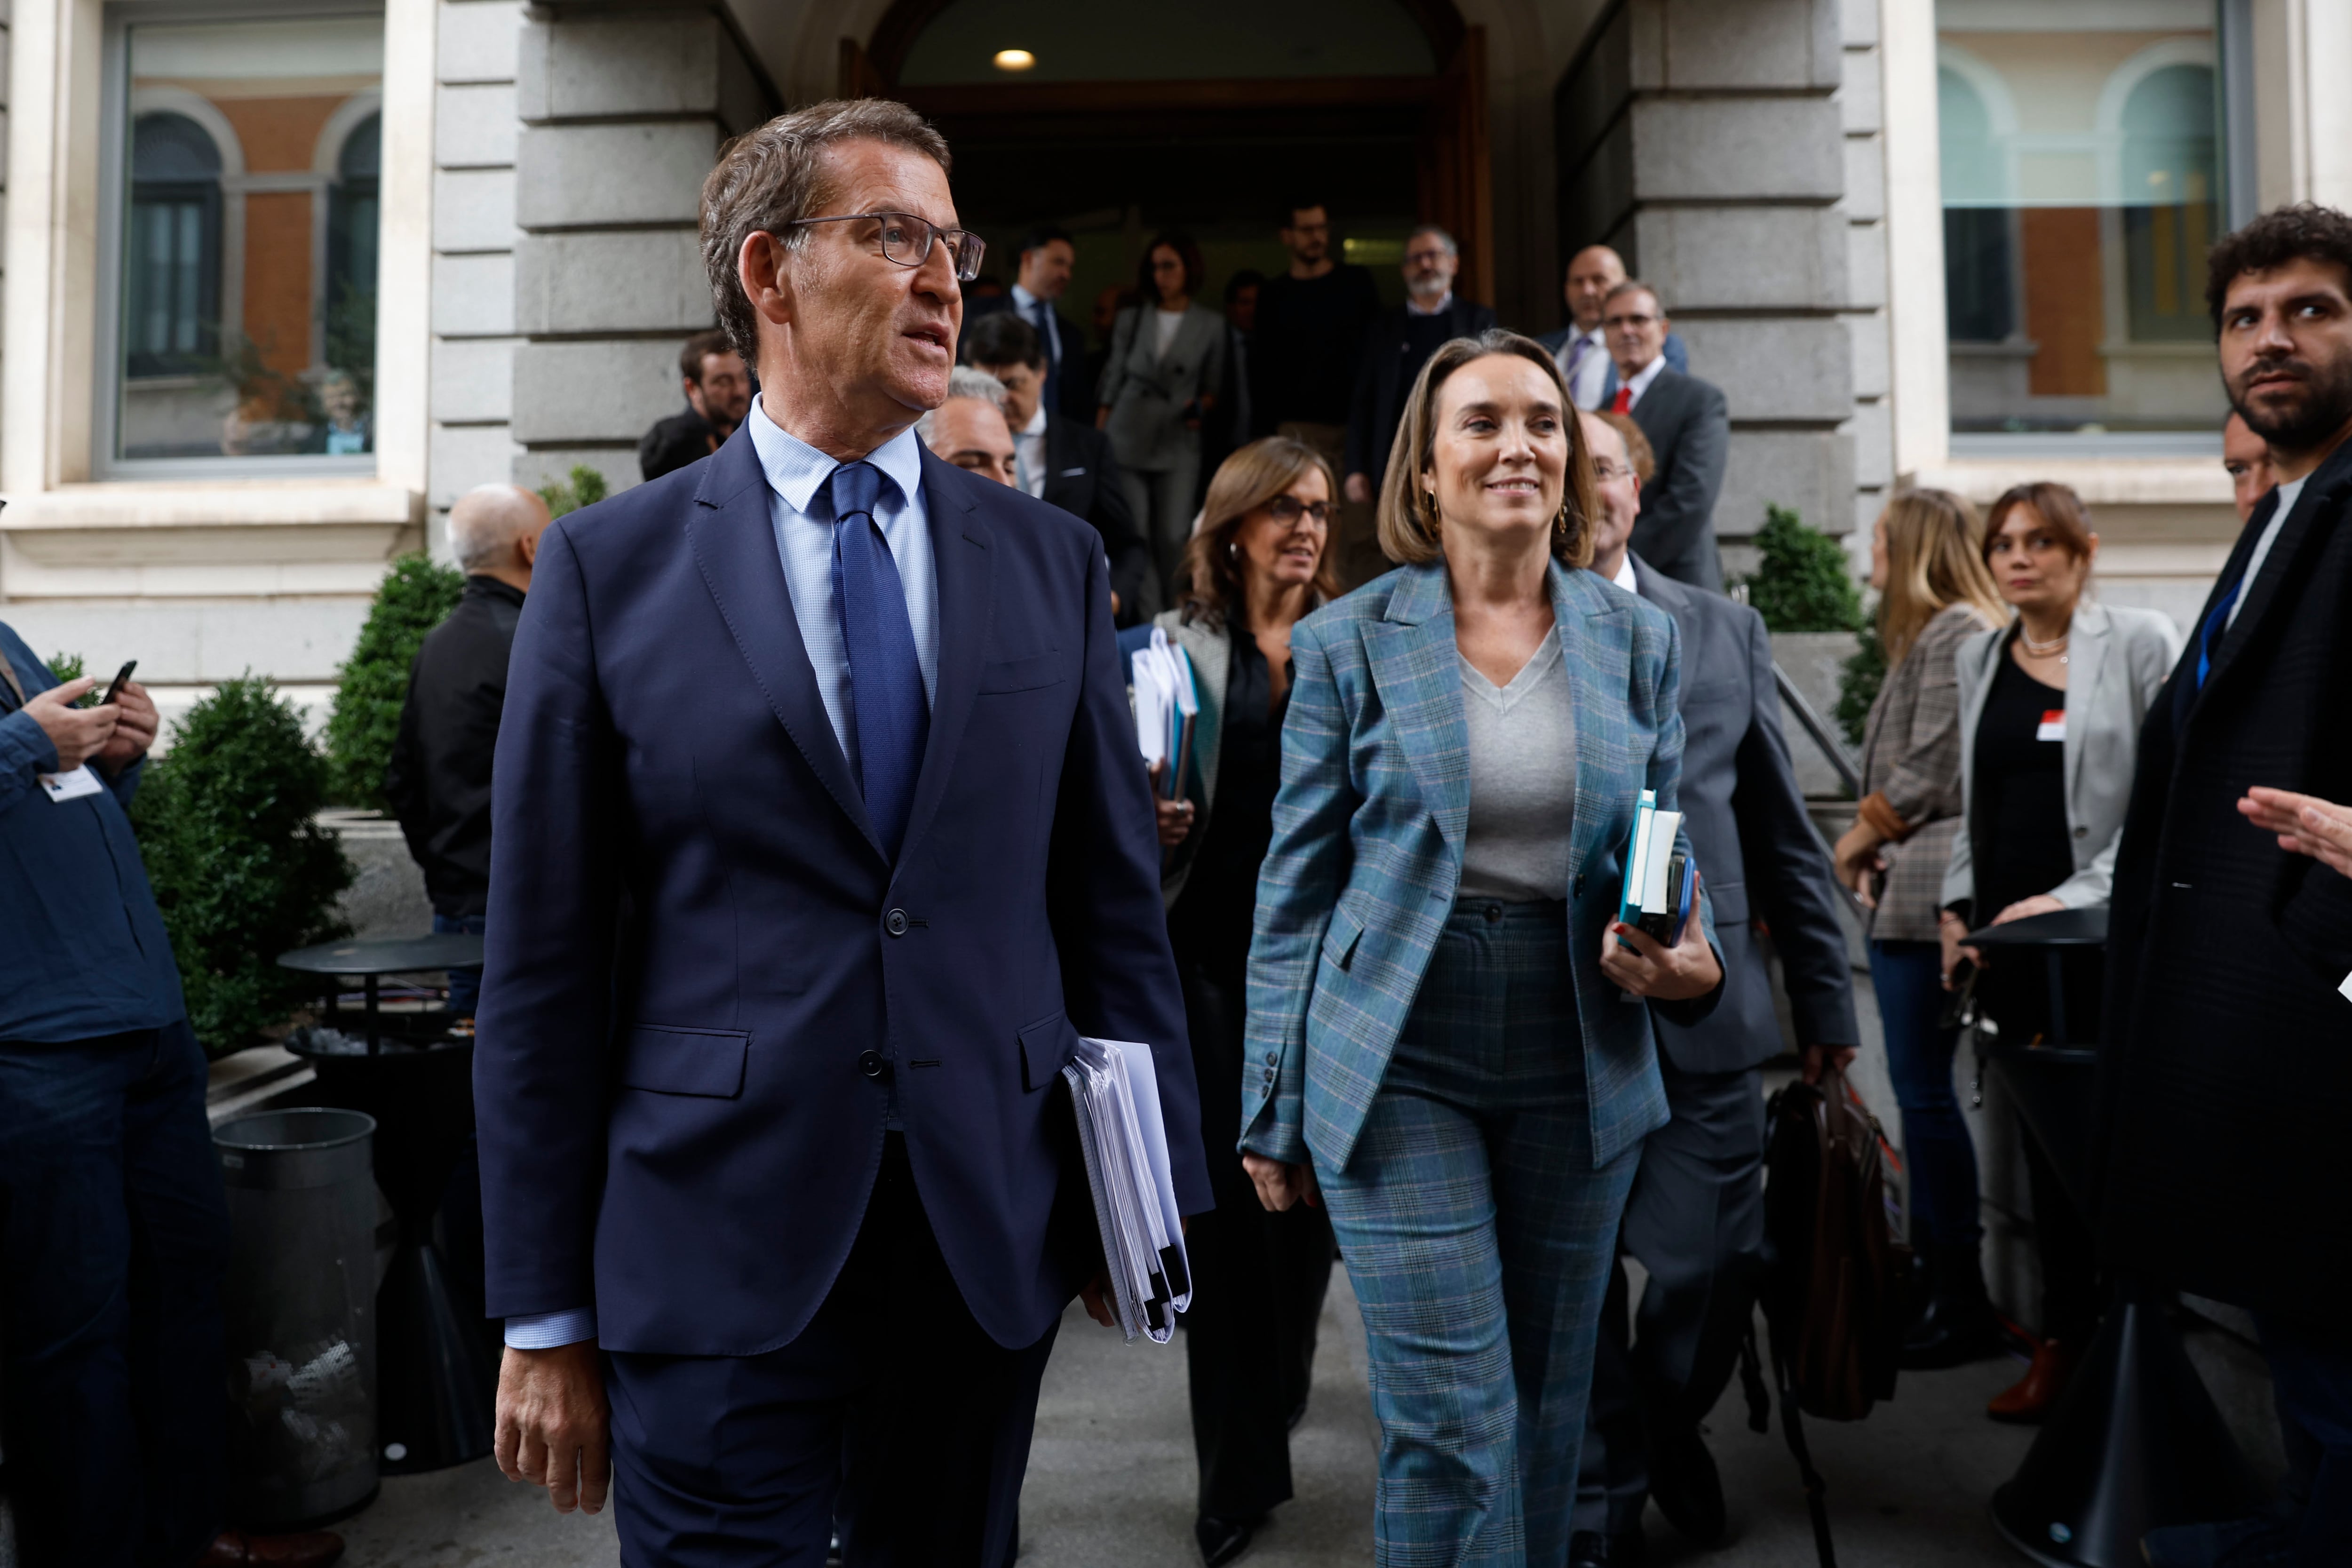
(2088, 662)
(1595, 644)
(733, 535)
(2279, 567)
(965, 563)
(1416, 667)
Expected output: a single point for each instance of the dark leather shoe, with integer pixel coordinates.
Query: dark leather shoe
(1957, 1326)
(307, 1548)
(1223, 1540)
(2025, 1402)
(1684, 1481)
(1591, 1549)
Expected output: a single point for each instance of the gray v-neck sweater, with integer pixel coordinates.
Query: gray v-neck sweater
(1522, 779)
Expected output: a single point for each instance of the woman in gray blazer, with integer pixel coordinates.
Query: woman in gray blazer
(2050, 714)
(1166, 360)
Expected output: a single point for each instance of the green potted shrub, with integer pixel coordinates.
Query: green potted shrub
(242, 871)
(583, 486)
(416, 596)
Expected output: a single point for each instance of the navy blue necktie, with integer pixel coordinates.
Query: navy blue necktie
(890, 716)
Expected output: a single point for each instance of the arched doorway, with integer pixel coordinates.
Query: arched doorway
(1211, 117)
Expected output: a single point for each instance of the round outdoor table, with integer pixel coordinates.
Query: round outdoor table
(436, 1361)
(2135, 1441)
(372, 958)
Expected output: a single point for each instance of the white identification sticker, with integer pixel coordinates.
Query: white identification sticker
(2053, 726)
(72, 785)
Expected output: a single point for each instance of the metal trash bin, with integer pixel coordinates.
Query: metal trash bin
(300, 1307)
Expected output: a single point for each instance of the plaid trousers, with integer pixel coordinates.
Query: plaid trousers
(1478, 1237)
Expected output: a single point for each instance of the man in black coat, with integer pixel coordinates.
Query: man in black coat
(1696, 1215)
(1688, 426)
(2225, 1085)
(1047, 257)
(1398, 346)
(1063, 462)
(439, 780)
(718, 392)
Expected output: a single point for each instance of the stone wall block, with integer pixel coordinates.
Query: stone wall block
(473, 379)
(1872, 372)
(1858, 21)
(634, 280)
(1797, 368)
(1716, 44)
(1865, 266)
(647, 63)
(1865, 178)
(1809, 471)
(1717, 149)
(463, 455)
(584, 394)
(475, 40)
(474, 126)
(1871, 429)
(582, 176)
(1859, 98)
(1744, 258)
(616, 460)
(473, 296)
(473, 209)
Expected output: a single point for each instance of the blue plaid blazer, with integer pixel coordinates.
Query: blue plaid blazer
(1367, 850)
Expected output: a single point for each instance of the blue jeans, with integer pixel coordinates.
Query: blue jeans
(465, 984)
(1908, 977)
(113, 1238)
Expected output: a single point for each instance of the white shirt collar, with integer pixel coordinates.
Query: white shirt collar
(1036, 426)
(1624, 578)
(1023, 299)
(1648, 374)
(1436, 310)
(797, 470)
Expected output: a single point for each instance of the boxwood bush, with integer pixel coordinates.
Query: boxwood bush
(416, 596)
(1802, 582)
(241, 869)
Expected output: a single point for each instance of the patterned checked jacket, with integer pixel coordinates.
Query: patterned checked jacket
(1367, 851)
(1911, 775)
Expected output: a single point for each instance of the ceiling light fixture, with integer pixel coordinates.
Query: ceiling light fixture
(1015, 60)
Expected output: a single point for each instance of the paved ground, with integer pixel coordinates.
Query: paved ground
(1111, 1477)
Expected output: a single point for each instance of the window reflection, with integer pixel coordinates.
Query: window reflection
(248, 239)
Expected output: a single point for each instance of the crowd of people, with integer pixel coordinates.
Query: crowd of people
(818, 834)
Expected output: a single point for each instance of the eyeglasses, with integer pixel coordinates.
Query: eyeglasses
(908, 239)
(1608, 470)
(1287, 508)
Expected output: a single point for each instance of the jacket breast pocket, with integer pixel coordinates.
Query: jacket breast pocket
(1022, 674)
(668, 1059)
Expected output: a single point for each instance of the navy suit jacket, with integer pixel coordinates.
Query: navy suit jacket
(694, 935)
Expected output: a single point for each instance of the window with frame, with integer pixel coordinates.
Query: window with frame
(245, 230)
(2081, 156)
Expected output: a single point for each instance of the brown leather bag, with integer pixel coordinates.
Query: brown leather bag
(1835, 1294)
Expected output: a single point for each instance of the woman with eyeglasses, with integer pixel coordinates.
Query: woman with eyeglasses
(1167, 360)
(1259, 561)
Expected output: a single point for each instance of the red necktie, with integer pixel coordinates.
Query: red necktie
(1624, 402)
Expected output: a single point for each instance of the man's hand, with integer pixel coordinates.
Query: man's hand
(553, 1423)
(1279, 1186)
(77, 734)
(1820, 1057)
(2305, 823)
(1096, 1294)
(1358, 488)
(1175, 817)
(134, 730)
(2026, 908)
(1653, 969)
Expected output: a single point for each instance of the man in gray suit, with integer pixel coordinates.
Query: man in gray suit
(1580, 348)
(1688, 426)
(1695, 1218)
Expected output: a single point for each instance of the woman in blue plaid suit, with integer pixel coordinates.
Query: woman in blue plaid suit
(1443, 1047)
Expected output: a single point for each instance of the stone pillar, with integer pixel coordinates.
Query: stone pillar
(1728, 149)
(623, 113)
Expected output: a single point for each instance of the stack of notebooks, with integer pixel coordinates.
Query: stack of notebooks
(1115, 1094)
(1661, 881)
(1166, 703)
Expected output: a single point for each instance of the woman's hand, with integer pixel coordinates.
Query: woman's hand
(2024, 909)
(1279, 1186)
(1175, 816)
(1858, 860)
(1949, 930)
(2305, 823)
(1662, 973)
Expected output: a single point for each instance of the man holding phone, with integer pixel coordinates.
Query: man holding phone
(106, 1171)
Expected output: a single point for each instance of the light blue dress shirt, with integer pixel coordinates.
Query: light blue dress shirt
(800, 509)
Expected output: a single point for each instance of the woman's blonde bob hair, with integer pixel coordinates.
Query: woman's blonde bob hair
(1409, 522)
(1210, 580)
(1934, 561)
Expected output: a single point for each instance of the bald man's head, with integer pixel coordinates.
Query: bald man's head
(1591, 273)
(494, 532)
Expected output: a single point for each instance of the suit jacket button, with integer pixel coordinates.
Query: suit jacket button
(895, 922)
(871, 1064)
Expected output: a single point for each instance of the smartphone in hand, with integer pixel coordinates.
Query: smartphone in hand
(121, 679)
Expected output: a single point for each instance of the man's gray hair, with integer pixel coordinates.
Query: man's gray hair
(1453, 246)
(486, 522)
(963, 382)
(1635, 286)
(773, 176)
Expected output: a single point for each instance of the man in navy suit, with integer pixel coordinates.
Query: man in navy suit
(819, 836)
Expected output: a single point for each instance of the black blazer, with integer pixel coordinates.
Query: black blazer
(439, 778)
(1082, 479)
(1757, 854)
(1384, 375)
(1074, 391)
(1689, 428)
(2226, 1079)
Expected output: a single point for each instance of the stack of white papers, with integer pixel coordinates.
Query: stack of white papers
(1166, 701)
(1115, 1094)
